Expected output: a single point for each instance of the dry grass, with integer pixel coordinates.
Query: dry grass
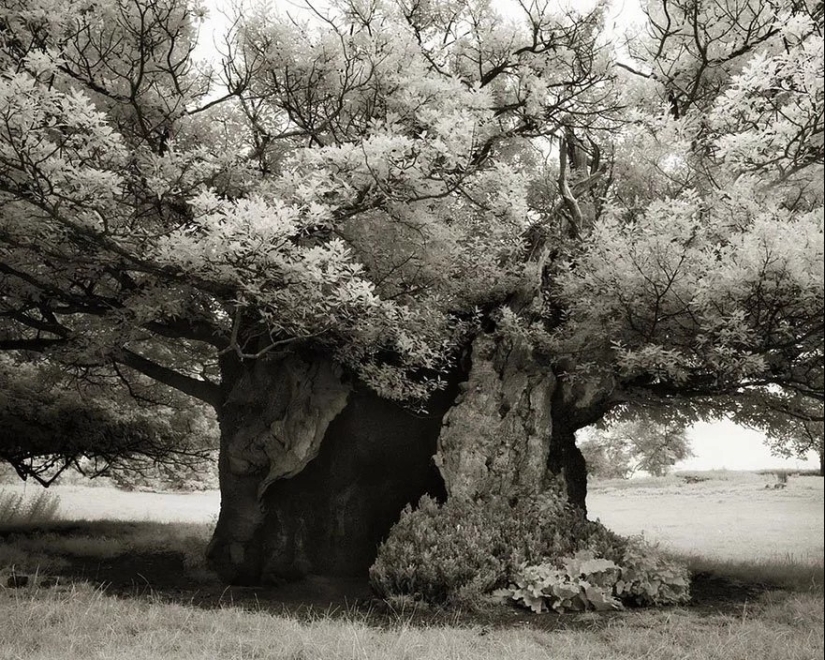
(107, 503)
(38, 547)
(27, 508)
(788, 573)
(80, 622)
(775, 537)
(731, 516)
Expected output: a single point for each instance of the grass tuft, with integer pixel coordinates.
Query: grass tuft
(18, 508)
(56, 545)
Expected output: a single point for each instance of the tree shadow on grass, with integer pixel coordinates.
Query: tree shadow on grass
(160, 562)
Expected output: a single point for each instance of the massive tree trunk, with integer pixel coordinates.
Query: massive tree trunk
(315, 468)
(512, 428)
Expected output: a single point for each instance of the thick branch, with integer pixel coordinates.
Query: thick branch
(200, 389)
(196, 330)
(39, 345)
(576, 217)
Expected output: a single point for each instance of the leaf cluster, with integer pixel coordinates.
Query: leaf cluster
(459, 552)
(639, 575)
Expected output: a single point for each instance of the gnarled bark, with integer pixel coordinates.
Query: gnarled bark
(566, 463)
(577, 402)
(513, 427)
(495, 440)
(273, 420)
(314, 470)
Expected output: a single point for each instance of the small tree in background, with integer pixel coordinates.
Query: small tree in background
(798, 439)
(627, 447)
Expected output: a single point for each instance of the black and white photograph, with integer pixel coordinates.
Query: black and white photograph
(412, 330)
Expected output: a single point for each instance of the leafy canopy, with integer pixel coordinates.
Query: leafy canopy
(53, 420)
(382, 179)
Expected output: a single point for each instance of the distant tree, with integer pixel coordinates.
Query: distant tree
(628, 447)
(799, 438)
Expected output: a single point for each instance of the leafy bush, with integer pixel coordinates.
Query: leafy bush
(650, 577)
(643, 576)
(459, 552)
(583, 582)
(16, 509)
(439, 554)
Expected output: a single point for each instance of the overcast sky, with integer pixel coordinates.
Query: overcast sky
(726, 445)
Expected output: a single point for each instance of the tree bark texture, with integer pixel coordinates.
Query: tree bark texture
(495, 440)
(566, 463)
(513, 426)
(577, 402)
(314, 470)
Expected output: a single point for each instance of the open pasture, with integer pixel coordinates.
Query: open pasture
(726, 515)
(137, 589)
(731, 516)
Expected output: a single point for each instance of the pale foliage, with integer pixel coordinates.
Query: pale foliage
(380, 179)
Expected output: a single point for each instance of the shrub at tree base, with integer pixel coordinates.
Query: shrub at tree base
(460, 552)
(649, 577)
(644, 576)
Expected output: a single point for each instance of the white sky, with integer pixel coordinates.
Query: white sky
(725, 445)
(716, 446)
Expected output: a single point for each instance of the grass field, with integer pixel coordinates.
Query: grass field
(731, 516)
(106, 503)
(137, 590)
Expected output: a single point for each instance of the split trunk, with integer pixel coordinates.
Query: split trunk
(315, 468)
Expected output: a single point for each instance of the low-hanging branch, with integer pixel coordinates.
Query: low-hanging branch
(206, 391)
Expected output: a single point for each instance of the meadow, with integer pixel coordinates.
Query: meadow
(727, 515)
(130, 584)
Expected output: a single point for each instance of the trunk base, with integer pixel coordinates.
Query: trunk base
(567, 463)
(328, 520)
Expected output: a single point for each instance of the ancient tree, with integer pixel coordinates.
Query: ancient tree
(404, 246)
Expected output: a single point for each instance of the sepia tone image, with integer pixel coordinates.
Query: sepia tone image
(412, 329)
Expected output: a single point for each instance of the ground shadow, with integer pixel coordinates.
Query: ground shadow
(171, 576)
